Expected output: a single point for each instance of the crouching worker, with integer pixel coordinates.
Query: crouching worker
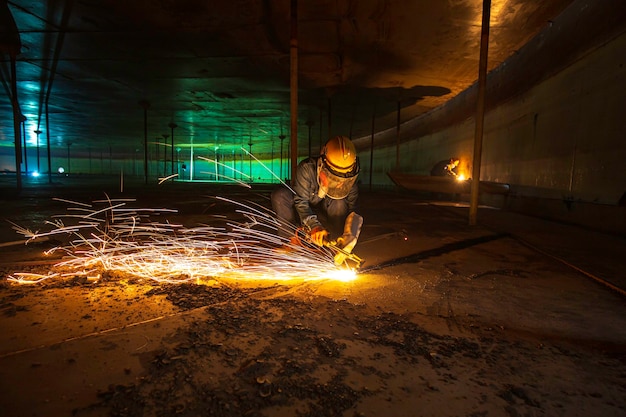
(445, 168)
(324, 198)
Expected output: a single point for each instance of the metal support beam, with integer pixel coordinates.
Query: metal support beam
(49, 150)
(172, 126)
(372, 145)
(17, 117)
(145, 105)
(398, 138)
(38, 132)
(24, 145)
(480, 112)
(294, 87)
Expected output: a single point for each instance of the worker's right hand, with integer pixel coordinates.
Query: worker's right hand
(318, 235)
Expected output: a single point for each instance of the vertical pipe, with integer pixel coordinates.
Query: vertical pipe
(250, 160)
(23, 126)
(156, 152)
(165, 136)
(241, 161)
(372, 146)
(572, 171)
(398, 138)
(172, 125)
(48, 145)
(217, 172)
(178, 162)
(282, 137)
(234, 166)
(67, 11)
(145, 105)
(16, 130)
(13, 46)
(165, 155)
(480, 112)
(191, 162)
(38, 132)
(294, 87)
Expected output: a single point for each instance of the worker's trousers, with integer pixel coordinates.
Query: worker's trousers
(331, 213)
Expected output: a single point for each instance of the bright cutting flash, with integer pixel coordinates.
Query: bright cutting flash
(109, 236)
(460, 177)
(343, 275)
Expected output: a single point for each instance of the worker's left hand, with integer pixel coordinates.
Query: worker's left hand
(319, 235)
(345, 242)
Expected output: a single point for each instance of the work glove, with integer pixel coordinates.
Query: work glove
(318, 235)
(347, 241)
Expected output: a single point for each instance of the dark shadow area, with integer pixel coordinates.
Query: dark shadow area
(442, 250)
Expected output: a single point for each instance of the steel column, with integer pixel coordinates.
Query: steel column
(480, 113)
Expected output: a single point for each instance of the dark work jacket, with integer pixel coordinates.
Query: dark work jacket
(306, 188)
(441, 169)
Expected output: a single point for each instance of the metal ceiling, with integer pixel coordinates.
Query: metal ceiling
(220, 70)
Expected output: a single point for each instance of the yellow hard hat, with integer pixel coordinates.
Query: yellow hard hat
(337, 167)
(339, 156)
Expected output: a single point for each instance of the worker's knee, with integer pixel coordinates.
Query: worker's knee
(282, 200)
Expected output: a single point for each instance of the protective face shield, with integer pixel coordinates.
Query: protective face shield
(337, 168)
